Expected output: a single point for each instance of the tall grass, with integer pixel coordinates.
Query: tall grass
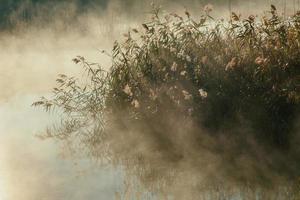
(179, 84)
(215, 71)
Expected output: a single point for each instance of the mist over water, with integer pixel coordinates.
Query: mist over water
(32, 53)
(30, 168)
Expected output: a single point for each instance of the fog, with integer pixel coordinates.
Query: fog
(31, 56)
(31, 168)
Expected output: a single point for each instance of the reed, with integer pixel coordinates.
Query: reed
(224, 77)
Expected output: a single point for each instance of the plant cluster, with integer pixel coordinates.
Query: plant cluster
(220, 75)
(217, 72)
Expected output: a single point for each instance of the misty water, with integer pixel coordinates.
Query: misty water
(30, 59)
(31, 168)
